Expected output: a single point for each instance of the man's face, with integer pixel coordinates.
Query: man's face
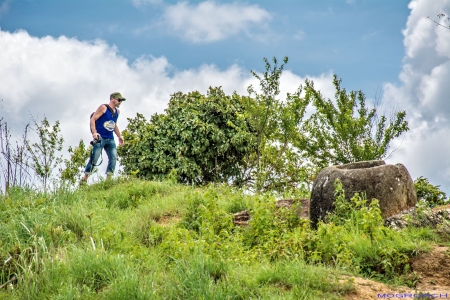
(118, 102)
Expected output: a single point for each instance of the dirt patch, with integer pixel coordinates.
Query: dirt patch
(433, 269)
(166, 220)
(446, 206)
(369, 289)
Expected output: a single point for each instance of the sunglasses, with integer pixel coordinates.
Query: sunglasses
(120, 100)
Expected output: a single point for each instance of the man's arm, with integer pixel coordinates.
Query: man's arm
(117, 131)
(98, 113)
(119, 135)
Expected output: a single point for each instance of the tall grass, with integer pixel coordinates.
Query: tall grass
(133, 239)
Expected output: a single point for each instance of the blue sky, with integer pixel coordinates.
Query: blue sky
(360, 41)
(61, 59)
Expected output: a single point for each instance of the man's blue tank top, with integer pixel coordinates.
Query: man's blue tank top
(106, 123)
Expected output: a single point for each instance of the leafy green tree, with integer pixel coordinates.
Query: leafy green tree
(430, 194)
(199, 139)
(43, 153)
(75, 165)
(276, 165)
(346, 130)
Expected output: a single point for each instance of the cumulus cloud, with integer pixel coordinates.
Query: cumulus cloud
(424, 93)
(209, 21)
(66, 79)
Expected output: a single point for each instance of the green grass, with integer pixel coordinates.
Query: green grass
(134, 239)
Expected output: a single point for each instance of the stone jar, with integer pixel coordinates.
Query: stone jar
(390, 184)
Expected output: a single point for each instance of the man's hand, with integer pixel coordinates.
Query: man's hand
(121, 142)
(95, 136)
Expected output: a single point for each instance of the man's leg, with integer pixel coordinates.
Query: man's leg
(111, 151)
(95, 154)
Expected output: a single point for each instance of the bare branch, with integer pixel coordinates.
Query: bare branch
(439, 24)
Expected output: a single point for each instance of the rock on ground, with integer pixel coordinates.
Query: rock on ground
(390, 184)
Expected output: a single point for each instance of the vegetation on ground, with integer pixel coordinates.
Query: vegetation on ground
(135, 239)
(428, 193)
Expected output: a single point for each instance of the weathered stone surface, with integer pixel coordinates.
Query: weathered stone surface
(433, 218)
(390, 184)
(303, 212)
(241, 218)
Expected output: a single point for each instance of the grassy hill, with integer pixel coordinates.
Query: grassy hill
(133, 239)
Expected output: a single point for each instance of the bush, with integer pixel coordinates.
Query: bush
(199, 139)
(430, 194)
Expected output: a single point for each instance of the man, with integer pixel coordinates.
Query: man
(103, 123)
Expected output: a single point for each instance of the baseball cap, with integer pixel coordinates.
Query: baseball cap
(117, 96)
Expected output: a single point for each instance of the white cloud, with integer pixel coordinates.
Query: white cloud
(424, 94)
(66, 79)
(209, 21)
